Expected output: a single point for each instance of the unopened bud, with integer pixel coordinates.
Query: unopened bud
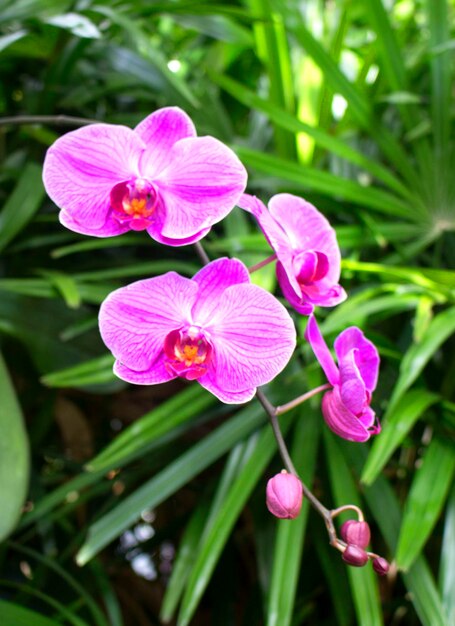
(356, 533)
(355, 556)
(381, 566)
(284, 495)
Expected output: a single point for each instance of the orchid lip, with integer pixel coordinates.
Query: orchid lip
(188, 352)
(134, 203)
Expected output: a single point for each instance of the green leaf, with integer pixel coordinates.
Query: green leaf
(316, 180)
(15, 615)
(69, 616)
(184, 561)
(364, 587)
(168, 481)
(200, 524)
(287, 560)
(425, 501)
(273, 50)
(168, 415)
(395, 428)
(291, 123)
(14, 455)
(77, 24)
(53, 565)
(447, 567)
(439, 330)
(22, 204)
(65, 285)
(441, 66)
(92, 372)
(233, 504)
(383, 503)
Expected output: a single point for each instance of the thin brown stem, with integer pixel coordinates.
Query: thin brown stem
(202, 254)
(284, 453)
(57, 120)
(263, 263)
(284, 408)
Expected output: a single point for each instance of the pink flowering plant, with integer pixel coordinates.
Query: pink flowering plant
(217, 328)
(159, 177)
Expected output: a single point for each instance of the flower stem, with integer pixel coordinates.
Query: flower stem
(284, 408)
(284, 453)
(202, 254)
(273, 413)
(263, 263)
(58, 120)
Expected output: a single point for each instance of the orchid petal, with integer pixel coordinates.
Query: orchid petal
(110, 228)
(253, 338)
(366, 357)
(277, 238)
(213, 279)
(228, 397)
(340, 420)
(155, 232)
(352, 388)
(368, 418)
(307, 229)
(152, 376)
(321, 351)
(199, 187)
(160, 131)
(135, 320)
(82, 166)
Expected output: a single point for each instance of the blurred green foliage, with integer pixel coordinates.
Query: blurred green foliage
(350, 104)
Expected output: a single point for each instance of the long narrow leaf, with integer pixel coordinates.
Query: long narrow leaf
(14, 455)
(312, 179)
(22, 203)
(418, 355)
(447, 569)
(419, 580)
(425, 501)
(409, 408)
(226, 518)
(291, 534)
(168, 481)
(321, 138)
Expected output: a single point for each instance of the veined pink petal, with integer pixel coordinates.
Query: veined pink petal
(321, 351)
(110, 228)
(277, 238)
(307, 229)
(155, 232)
(157, 373)
(352, 388)
(340, 419)
(135, 320)
(366, 356)
(82, 166)
(201, 184)
(253, 338)
(228, 397)
(160, 131)
(213, 279)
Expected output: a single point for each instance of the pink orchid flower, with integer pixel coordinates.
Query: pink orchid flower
(216, 328)
(159, 177)
(306, 247)
(346, 408)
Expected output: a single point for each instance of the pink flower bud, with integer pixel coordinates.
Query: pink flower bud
(353, 555)
(380, 566)
(355, 533)
(284, 495)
